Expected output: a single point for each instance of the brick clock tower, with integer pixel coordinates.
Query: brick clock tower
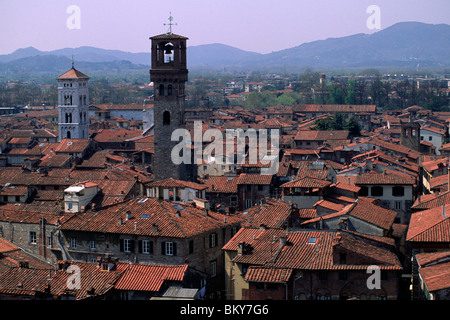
(168, 73)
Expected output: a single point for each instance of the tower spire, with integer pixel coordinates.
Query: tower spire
(170, 24)
(72, 63)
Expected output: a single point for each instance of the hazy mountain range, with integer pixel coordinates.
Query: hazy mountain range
(403, 45)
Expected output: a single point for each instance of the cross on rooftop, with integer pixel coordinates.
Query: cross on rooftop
(170, 24)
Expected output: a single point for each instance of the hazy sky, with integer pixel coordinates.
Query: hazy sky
(254, 25)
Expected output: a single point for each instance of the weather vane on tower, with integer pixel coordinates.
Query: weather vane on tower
(170, 24)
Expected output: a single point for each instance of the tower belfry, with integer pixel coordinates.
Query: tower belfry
(169, 74)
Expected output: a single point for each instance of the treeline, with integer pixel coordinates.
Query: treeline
(100, 91)
(385, 94)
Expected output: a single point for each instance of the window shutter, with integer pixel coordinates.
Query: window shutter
(151, 247)
(174, 248)
(132, 246)
(140, 246)
(121, 245)
(163, 248)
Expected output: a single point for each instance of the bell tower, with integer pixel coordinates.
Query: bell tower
(73, 105)
(169, 74)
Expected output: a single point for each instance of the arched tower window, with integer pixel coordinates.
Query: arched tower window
(168, 52)
(166, 118)
(169, 90)
(68, 135)
(161, 90)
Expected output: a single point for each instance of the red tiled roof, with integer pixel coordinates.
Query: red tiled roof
(116, 135)
(432, 201)
(257, 274)
(272, 214)
(150, 217)
(306, 182)
(221, 184)
(321, 135)
(380, 178)
(332, 108)
(432, 225)
(173, 183)
(308, 250)
(434, 273)
(149, 277)
(72, 145)
(6, 246)
(14, 191)
(365, 211)
(245, 178)
(73, 74)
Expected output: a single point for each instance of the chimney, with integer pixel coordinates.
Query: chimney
(120, 222)
(283, 241)
(155, 228)
(241, 249)
(205, 211)
(128, 215)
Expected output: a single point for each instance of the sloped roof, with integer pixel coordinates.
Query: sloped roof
(272, 214)
(380, 178)
(73, 74)
(308, 250)
(434, 268)
(306, 182)
(222, 184)
(173, 183)
(365, 211)
(258, 274)
(150, 217)
(432, 225)
(168, 36)
(149, 277)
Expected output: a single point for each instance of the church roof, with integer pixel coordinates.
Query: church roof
(168, 36)
(73, 74)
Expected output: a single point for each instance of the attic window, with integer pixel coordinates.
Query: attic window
(312, 240)
(145, 216)
(142, 200)
(178, 207)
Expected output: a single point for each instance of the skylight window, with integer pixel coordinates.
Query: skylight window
(178, 207)
(142, 200)
(312, 240)
(145, 216)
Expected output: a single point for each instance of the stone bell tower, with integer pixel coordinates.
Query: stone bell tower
(73, 105)
(169, 74)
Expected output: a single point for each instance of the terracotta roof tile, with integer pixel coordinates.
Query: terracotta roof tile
(245, 178)
(221, 184)
(73, 74)
(150, 217)
(149, 277)
(256, 274)
(380, 178)
(309, 250)
(432, 225)
(306, 182)
(272, 214)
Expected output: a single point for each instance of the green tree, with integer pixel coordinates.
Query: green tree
(350, 98)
